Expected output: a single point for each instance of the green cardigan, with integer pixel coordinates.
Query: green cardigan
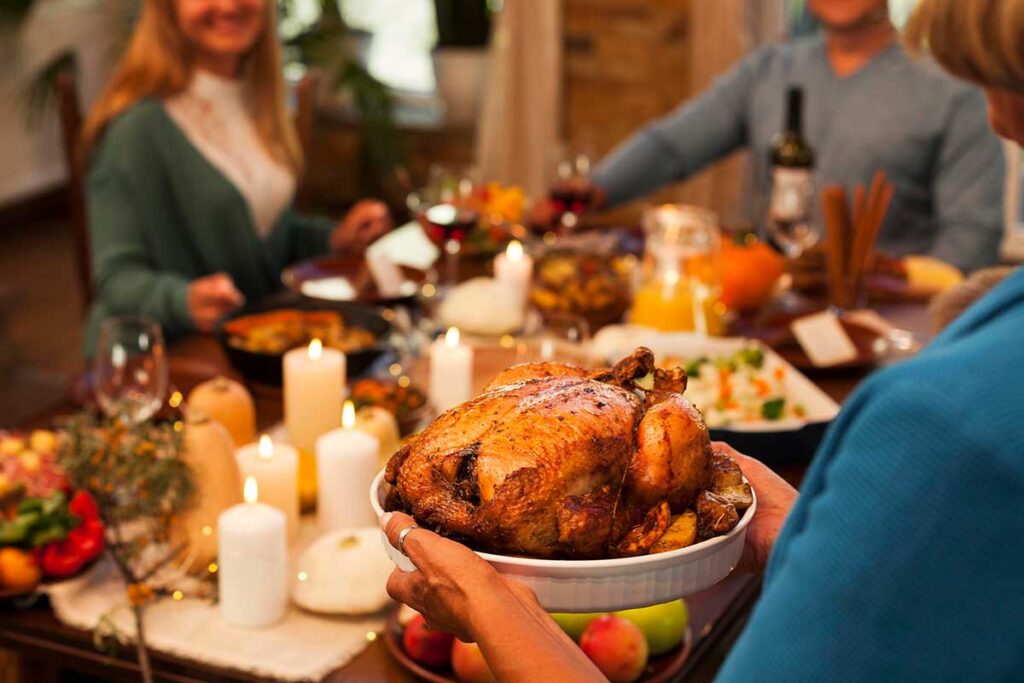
(161, 215)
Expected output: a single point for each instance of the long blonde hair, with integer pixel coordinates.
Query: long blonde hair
(157, 63)
(978, 40)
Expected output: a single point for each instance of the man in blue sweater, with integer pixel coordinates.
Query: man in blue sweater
(867, 106)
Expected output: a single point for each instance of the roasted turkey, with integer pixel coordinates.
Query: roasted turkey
(554, 461)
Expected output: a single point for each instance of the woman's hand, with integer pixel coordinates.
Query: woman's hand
(364, 223)
(212, 297)
(458, 592)
(775, 498)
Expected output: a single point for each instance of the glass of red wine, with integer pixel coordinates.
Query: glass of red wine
(571, 190)
(448, 213)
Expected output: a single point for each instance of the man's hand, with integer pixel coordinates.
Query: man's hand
(210, 298)
(775, 498)
(364, 223)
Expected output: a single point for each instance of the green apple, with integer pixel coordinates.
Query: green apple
(574, 624)
(663, 625)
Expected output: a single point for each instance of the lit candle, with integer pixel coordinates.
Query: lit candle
(314, 385)
(275, 469)
(514, 269)
(346, 463)
(253, 562)
(451, 371)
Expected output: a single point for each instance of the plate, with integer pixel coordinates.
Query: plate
(775, 441)
(659, 669)
(609, 585)
(265, 368)
(872, 348)
(299, 279)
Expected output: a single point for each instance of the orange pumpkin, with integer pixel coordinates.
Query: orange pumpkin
(749, 273)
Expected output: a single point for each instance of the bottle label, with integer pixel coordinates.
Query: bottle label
(792, 189)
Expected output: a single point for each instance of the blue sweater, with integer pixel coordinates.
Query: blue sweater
(903, 559)
(928, 131)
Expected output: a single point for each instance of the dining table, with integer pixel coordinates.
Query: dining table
(49, 651)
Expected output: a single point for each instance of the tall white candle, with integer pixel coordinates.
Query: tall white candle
(275, 466)
(451, 371)
(514, 269)
(314, 387)
(346, 463)
(253, 562)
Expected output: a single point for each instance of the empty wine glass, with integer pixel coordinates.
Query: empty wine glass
(553, 337)
(130, 369)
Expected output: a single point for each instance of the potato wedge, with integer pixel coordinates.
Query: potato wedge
(740, 496)
(715, 515)
(681, 532)
(724, 471)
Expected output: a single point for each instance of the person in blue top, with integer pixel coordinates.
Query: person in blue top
(901, 558)
(867, 106)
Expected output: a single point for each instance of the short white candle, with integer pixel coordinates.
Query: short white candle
(514, 269)
(451, 371)
(314, 387)
(253, 562)
(275, 466)
(346, 463)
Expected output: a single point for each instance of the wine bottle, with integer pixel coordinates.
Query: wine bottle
(792, 177)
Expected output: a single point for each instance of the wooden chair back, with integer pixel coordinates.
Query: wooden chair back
(71, 128)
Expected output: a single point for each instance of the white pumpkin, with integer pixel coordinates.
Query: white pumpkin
(380, 423)
(343, 572)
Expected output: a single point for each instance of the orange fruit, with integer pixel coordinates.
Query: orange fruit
(18, 571)
(749, 273)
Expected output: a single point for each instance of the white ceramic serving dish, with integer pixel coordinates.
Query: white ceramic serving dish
(617, 341)
(607, 585)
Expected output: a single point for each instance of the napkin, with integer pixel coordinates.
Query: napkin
(405, 246)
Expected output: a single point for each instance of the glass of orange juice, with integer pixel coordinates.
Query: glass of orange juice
(679, 284)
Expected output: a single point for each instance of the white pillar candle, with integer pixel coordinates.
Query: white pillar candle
(514, 269)
(346, 463)
(275, 466)
(314, 387)
(451, 371)
(252, 562)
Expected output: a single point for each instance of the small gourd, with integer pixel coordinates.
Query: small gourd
(210, 453)
(230, 404)
(343, 572)
(380, 423)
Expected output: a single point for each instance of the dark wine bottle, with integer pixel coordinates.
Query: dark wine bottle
(792, 177)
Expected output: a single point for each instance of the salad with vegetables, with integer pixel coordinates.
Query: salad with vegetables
(737, 388)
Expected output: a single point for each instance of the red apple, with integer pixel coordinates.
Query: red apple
(616, 646)
(429, 648)
(469, 663)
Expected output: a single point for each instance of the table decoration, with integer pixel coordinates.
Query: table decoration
(382, 425)
(314, 386)
(230, 404)
(140, 483)
(275, 466)
(210, 453)
(343, 572)
(253, 562)
(451, 371)
(514, 269)
(347, 461)
(482, 306)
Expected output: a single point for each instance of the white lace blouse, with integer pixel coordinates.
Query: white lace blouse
(215, 117)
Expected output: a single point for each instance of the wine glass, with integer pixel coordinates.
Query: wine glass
(130, 369)
(571, 190)
(553, 336)
(791, 218)
(448, 211)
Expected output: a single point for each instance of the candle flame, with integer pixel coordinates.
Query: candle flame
(348, 415)
(251, 490)
(316, 349)
(672, 277)
(266, 447)
(514, 251)
(451, 337)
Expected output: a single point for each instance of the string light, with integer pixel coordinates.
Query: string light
(175, 400)
(177, 595)
(212, 568)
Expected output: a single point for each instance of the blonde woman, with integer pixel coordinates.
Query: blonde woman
(193, 165)
(900, 560)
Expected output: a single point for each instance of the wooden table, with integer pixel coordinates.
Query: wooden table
(50, 649)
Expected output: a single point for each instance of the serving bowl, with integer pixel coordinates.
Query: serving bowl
(608, 585)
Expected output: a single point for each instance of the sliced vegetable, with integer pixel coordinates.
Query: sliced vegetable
(773, 409)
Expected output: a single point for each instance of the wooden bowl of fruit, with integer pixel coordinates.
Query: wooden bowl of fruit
(649, 645)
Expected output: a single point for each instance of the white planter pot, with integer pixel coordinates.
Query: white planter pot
(460, 74)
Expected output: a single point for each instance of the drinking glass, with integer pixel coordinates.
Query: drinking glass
(130, 369)
(553, 337)
(791, 219)
(571, 190)
(448, 211)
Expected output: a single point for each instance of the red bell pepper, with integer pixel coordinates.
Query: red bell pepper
(83, 506)
(62, 559)
(88, 538)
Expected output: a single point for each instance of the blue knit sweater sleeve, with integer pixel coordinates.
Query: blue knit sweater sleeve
(899, 559)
